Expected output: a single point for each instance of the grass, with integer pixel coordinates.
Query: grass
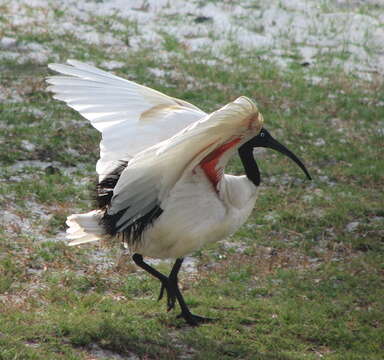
(303, 279)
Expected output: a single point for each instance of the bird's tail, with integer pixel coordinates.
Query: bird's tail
(85, 228)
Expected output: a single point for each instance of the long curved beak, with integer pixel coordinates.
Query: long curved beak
(275, 145)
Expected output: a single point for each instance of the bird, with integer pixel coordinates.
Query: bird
(161, 189)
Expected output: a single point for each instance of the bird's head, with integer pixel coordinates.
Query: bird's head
(264, 139)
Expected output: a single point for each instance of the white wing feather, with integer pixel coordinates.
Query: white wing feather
(131, 117)
(150, 175)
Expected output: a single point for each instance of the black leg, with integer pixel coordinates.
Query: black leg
(173, 284)
(190, 318)
(138, 259)
(176, 293)
(170, 284)
(165, 281)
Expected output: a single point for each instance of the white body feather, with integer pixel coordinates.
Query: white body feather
(167, 142)
(195, 215)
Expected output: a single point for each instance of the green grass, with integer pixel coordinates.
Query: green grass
(298, 285)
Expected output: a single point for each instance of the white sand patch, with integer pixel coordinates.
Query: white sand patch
(117, 26)
(7, 42)
(198, 43)
(9, 55)
(31, 225)
(157, 72)
(27, 145)
(23, 52)
(315, 80)
(308, 53)
(8, 95)
(111, 65)
(189, 264)
(36, 112)
(19, 165)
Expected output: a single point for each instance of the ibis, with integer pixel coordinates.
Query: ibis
(162, 190)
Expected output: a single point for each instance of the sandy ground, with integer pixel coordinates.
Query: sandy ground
(348, 33)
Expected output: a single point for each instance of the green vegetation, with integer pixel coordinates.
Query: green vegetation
(303, 279)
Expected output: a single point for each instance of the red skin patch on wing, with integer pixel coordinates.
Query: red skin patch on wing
(209, 163)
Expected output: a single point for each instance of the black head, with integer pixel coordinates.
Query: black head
(264, 139)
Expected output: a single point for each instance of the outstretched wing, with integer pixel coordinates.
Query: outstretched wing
(131, 117)
(146, 181)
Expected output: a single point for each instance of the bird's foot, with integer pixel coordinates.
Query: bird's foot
(194, 320)
(171, 294)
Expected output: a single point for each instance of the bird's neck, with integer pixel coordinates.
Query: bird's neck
(251, 169)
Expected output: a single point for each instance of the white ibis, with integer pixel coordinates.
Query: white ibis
(162, 188)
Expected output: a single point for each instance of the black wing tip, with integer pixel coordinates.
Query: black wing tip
(104, 189)
(131, 229)
(133, 232)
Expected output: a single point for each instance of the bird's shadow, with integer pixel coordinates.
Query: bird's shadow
(178, 341)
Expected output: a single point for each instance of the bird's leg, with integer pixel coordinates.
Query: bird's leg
(172, 284)
(174, 292)
(138, 259)
(165, 281)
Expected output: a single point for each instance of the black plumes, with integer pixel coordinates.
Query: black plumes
(105, 187)
(130, 231)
